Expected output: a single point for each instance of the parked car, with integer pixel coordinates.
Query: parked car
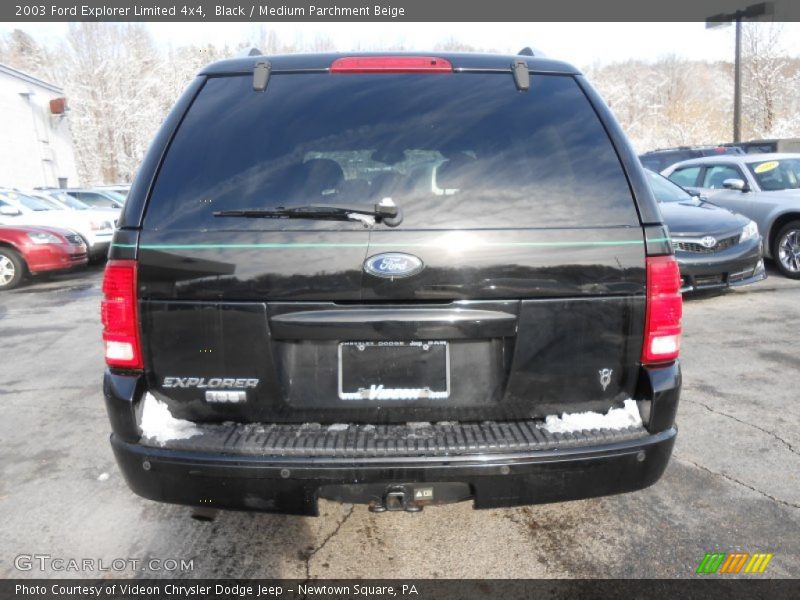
(763, 187)
(35, 250)
(658, 160)
(62, 200)
(769, 146)
(715, 248)
(96, 228)
(94, 198)
(389, 280)
(120, 189)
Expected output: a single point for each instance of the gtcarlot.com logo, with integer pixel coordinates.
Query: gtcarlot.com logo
(48, 563)
(731, 563)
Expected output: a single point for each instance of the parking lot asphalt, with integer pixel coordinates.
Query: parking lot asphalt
(733, 483)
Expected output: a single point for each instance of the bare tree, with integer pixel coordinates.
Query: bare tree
(23, 52)
(764, 78)
(121, 85)
(112, 76)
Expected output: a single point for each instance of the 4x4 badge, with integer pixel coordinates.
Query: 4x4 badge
(605, 377)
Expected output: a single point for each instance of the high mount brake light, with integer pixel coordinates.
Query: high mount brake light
(119, 313)
(662, 339)
(391, 64)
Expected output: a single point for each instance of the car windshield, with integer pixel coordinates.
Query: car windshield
(666, 191)
(97, 199)
(780, 174)
(69, 201)
(29, 202)
(115, 195)
(52, 202)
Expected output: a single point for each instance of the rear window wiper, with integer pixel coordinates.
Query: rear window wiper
(386, 212)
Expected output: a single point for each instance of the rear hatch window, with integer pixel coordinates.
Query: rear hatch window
(456, 150)
(516, 210)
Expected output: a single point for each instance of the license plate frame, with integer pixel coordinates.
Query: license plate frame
(431, 390)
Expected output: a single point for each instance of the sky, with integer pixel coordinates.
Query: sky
(583, 44)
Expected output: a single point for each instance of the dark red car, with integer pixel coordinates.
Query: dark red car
(32, 250)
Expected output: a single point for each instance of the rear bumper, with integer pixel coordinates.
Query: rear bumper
(293, 485)
(559, 468)
(99, 248)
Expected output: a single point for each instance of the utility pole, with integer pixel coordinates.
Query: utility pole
(737, 82)
(724, 19)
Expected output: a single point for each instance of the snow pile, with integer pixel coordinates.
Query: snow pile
(616, 418)
(160, 426)
(103, 476)
(418, 425)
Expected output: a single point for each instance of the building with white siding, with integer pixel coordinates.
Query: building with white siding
(35, 140)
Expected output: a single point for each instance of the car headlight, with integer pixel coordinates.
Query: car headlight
(100, 225)
(43, 238)
(749, 232)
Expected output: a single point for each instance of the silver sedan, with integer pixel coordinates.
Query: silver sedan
(764, 187)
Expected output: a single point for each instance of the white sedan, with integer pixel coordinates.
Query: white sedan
(95, 227)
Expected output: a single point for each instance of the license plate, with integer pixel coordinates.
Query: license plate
(394, 370)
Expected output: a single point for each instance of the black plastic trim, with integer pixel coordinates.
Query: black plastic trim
(659, 389)
(136, 202)
(122, 392)
(292, 485)
(378, 323)
(646, 204)
(656, 239)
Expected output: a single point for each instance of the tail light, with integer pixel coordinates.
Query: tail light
(391, 64)
(662, 339)
(119, 313)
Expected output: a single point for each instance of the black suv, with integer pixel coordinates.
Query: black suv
(658, 160)
(397, 280)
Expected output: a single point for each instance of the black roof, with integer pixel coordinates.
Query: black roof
(321, 62)
(684, 148)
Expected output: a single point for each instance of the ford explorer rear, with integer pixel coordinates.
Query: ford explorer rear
(395, 280)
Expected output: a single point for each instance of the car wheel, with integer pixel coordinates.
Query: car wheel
(12, 269)
(786, 250)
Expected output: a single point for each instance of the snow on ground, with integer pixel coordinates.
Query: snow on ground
(160, 426)
(616, 418)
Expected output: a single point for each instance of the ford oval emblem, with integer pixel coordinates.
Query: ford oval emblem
(393, 264)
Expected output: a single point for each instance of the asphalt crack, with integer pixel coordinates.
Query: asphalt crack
(734, 480)
(753, 425)
(307, 557)
(69, 388)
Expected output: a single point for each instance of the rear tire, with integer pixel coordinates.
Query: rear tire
(786, 250)
(12, 269)
(95, 257)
